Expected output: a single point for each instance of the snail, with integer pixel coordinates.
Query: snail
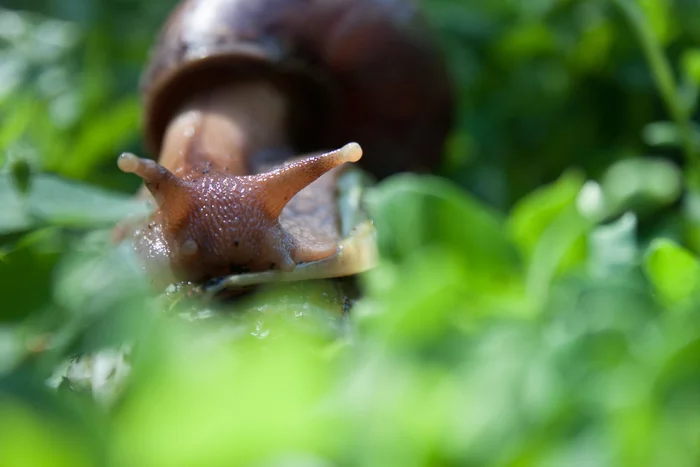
(256, 108)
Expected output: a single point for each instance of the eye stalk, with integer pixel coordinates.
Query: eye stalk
(216, 223)
(283, 183)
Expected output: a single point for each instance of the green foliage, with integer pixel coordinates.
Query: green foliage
(673, 271)
(537, 305)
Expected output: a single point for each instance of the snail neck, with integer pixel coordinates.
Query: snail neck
(224, 128)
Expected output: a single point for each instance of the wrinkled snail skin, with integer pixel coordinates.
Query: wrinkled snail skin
(237, 89)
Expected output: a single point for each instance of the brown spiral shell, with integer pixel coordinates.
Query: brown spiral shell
(353, 70)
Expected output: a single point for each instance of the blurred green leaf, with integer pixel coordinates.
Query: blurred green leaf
(452, 254)
(691, 216)
(105, 134)
(641, 184)
(12, 347)
(535, 213)
(594, 48)
(24, 107)
(563, 234)
(659, 14)
(14, 215)
(29, 439)
(550, 227)
(673, 271)
(80, 205)
(691, 65)
(613, 247)
(438, 283)
(58, 202)
(26, 274)
(526, 41)
(430, 211)
(21, 174)
(95, 275)
(667, 134)
(210, 405)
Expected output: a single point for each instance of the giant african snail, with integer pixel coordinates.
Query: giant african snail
(237, 90)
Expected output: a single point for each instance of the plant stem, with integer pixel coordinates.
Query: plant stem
(663, 75)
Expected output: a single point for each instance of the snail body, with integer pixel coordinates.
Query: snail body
(237, 89)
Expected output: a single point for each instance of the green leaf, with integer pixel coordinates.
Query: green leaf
(534, 214)
(14, 216)
(667, 134)
(613, 247)
(658, 13)
(452, 253)
(437, 282)
(673, 271)
(412, 212)
(24, 107)
(21, 174)
(52, 200)
(26, 274)
(103, 135)
(690, 62)
(526, 41)
(565, 234)
(550, 230)
(73, 204)
(30, 439)
(98, 275)
(206, 392)
(641, 184)
(594, 47)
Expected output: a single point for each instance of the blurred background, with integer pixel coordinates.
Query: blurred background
(535, 305)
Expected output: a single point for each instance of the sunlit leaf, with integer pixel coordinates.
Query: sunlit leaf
(550, 228)
(233, 410)
(15, 123)
(535, 213)
(561, 236)
(430, 211)
(659, 14)
(28, 440)
(438, 282)
(673, 271)
(104, 136)
(691, 65)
